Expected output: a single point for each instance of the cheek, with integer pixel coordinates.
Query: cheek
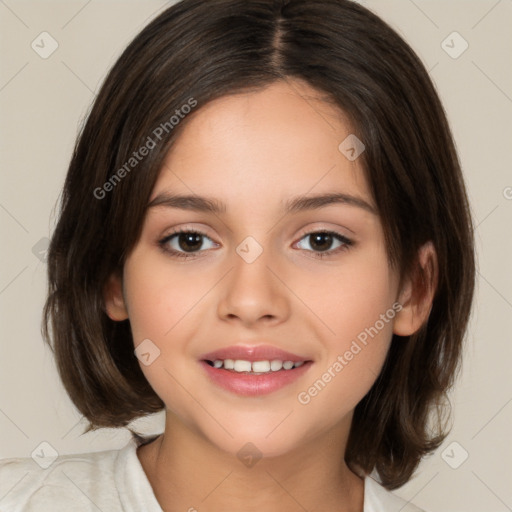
(161, 309)
(352, 298)
(356, 304)
(159, 301)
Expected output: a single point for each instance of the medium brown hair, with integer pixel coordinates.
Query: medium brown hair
(205, 50)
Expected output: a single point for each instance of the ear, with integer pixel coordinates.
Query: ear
(113, 298)
(417, 293)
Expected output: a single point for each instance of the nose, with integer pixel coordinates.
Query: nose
(254, 292)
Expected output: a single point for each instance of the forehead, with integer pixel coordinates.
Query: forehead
(263, 147)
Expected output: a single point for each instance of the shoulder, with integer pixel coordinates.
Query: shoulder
(77, 481)
(378, 499)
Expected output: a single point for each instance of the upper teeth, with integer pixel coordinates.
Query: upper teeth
(240, 365)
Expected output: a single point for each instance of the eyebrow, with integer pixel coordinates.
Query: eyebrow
(293, 205)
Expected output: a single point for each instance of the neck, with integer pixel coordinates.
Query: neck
(187, 473)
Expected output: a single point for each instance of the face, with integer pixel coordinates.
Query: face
(312, 281)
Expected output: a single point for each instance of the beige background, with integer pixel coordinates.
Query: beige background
(42, 102)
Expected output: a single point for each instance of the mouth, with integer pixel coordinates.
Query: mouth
(263, 367)
(253, 375)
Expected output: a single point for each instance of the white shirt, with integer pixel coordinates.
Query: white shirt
(114, 481)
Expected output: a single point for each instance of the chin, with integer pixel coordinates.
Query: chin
(249, 449)
(256, 440)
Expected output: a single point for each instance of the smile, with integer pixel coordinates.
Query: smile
(255, 378)
(256, 367)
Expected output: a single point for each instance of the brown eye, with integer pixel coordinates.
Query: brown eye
(189, 242)
(321, 242)
(184, 243)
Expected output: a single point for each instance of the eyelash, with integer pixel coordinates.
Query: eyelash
(320, 255)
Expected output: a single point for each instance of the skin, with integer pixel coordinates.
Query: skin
(253, 152)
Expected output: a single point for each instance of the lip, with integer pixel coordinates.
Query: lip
(253, 353)
(254, 385)
(244, 384)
